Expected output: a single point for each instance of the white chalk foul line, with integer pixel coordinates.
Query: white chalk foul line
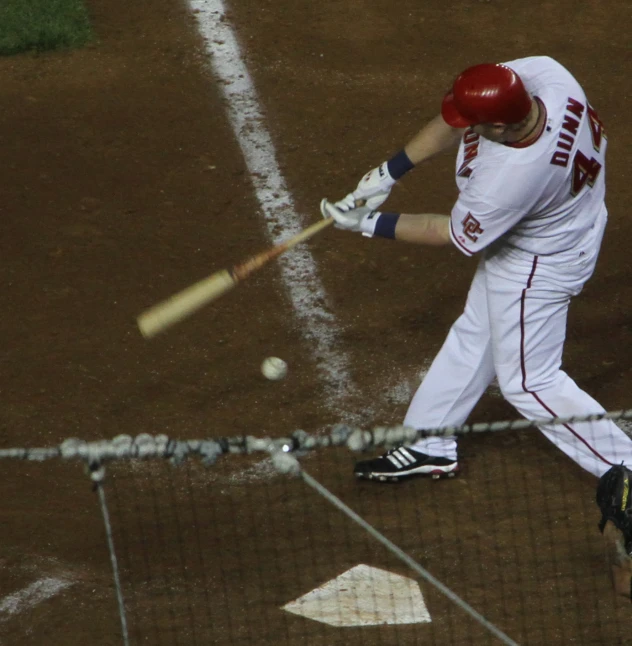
(31, 596)
(298, 268)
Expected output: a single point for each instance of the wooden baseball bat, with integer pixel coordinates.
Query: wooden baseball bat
(163, 315)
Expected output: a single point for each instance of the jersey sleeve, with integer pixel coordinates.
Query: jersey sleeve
(475, 224)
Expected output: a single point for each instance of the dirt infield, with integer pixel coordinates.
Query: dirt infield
(123, 182)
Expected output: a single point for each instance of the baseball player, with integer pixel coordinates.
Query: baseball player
(530, 171)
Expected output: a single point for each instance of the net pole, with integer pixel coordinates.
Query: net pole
(97, 473)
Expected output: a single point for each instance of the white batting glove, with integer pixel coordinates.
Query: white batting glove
(363, 219)
(372, 190)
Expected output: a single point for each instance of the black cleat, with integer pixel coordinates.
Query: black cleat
(403, 462)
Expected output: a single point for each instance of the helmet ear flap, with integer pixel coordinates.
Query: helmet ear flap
(450, 113)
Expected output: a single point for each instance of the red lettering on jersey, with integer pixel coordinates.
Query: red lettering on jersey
(575, 107)
(471, 227)
(470, 151)
(570, 124)
(568, 141)
(470, 137)
(596, 128)
(565, 141)
(560, 159)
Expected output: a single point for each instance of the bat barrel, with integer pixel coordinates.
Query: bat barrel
(165, 314)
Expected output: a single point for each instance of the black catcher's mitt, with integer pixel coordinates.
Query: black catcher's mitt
(614, 498)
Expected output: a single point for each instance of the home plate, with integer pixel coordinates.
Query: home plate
(364, 596)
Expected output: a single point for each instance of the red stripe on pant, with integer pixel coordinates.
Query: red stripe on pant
(523, 366)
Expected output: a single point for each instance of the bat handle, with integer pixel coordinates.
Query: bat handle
(246, 268)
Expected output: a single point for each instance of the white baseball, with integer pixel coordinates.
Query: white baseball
(274, 368)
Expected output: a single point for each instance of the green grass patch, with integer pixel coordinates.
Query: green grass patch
(41, 25)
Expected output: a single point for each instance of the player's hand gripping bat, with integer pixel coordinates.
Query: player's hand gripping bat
(176, 308)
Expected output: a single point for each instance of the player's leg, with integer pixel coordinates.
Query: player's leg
(528, 334)
(458, 375)
(457, 378)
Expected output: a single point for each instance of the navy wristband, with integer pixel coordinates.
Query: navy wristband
(399, 165)
(385, 225)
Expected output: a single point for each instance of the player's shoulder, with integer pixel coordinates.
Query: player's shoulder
(534, 63)
(545, 77)
(540, 59)
(543, 69)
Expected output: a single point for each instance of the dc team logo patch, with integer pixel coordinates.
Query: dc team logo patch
(471, 227)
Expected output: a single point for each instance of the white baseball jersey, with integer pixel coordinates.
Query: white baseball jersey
(543, 198)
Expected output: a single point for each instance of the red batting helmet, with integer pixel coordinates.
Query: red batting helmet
(486, 93)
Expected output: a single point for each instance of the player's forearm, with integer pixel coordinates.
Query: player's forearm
(433, 138)
(423, 228)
